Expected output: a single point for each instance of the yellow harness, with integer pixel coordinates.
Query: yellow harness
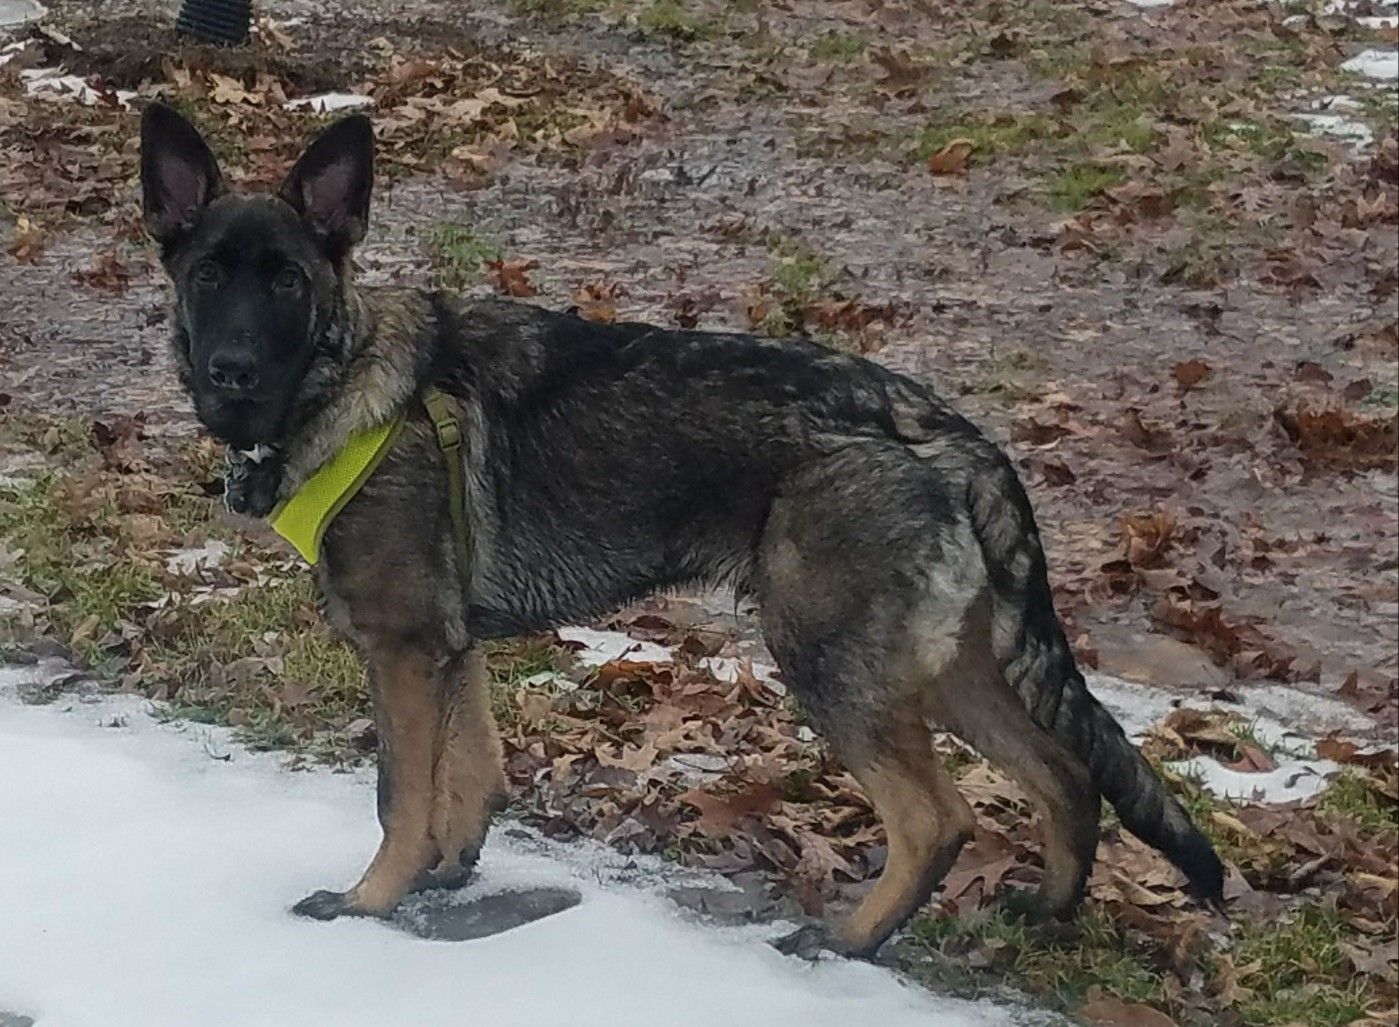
(302, 520)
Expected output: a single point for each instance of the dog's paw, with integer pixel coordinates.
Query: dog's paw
(809, 941)
(323, 905)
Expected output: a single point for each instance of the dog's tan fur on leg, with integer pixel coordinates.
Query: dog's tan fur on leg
(468, 777)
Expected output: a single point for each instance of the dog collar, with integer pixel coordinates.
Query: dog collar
(303, 519)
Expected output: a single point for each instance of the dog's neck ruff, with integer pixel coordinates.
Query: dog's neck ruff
(302, 520)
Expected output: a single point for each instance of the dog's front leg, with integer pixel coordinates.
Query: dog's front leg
(406, 686)
(468, 775)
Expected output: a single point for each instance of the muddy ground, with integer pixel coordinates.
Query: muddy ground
(1061, 351)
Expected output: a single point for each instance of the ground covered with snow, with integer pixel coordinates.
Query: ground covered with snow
(147, 869)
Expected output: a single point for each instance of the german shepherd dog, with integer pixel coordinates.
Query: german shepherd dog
(890, 547)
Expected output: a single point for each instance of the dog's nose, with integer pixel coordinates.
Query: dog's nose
(234, 372)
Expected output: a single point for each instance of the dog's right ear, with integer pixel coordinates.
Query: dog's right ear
(179, 174)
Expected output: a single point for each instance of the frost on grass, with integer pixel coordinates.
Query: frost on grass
(145, 884)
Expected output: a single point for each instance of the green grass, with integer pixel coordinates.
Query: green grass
(460, 254)
(79, 585)
(800, 276)
(1072, 188)
(1012, 375)
(1380, 110)
(1382, 397)
(838, 48)
(203, 658)
(1107, 125)
(669, 19)
(511, 662)
(1060, 966)
(1300, 966)
(991, 136)
(1351, 798)
(560, 10)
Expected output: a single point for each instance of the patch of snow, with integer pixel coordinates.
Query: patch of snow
(1280, 716)
(15, 677)
(552, 679)
(725, 669)
(1346, 8)
(1289, 782)
(1338, 127)
(17, 12)
(198, 558)
(1339, 102)
(127, 846)
(1377, 64)
(52, 84)
(327, 103)
(601, 647)
(1148, 4)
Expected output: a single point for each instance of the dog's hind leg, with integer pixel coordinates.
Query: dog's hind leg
(468, 778)
(405, 688)
(989, 717)
(927, 822)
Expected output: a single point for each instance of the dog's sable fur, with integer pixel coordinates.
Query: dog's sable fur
(890, 546)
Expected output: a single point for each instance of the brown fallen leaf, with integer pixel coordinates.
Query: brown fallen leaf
(720, 814)
(1252, 760)
(1108, 1011)
(1190, 373)
(597, 302)
(952, 158)
(512, 276)
(27, 243)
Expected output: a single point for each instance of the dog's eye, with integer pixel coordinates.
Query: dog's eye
(206, 272)
(288, 280)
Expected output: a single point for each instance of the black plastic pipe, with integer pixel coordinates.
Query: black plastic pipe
(215, 21)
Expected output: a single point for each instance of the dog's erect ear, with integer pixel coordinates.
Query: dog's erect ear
(179, 174)
(329, 186)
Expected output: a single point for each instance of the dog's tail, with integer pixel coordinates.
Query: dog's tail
(1034, 656)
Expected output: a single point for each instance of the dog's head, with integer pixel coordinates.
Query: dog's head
(259, 280)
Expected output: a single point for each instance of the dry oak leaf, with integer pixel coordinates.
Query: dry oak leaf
(952, 158)
(597, 302)
(720, 814)
(1190, 373)
(1107, 1011)
(512, 276)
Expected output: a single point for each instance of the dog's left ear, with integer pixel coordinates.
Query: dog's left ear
(329, 186)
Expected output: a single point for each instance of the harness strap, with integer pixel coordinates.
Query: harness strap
(439, 410)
